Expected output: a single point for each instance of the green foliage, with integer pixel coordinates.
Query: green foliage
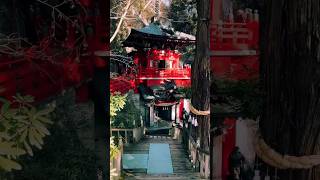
(189, 52)
(242, 4)
(117, 102)
(128, 117)
(114, 149)
(247, 91)
(21, 130)
(186, 91)
(184, 16)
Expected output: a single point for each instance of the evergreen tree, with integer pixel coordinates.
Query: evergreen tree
(291, 74)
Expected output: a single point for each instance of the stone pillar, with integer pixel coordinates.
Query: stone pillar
(151, 115)
(204, 164)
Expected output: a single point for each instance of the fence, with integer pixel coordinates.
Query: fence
(234, 36)
(128, 135)
(165, 73)
(199, 158)
(116, 163)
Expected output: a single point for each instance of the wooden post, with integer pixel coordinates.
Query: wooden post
(126, 136)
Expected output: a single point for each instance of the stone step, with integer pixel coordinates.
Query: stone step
(184, 176)
(182, 168)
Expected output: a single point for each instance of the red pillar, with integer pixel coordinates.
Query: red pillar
(228, 145)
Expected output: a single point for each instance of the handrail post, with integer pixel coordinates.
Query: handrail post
(126, 136)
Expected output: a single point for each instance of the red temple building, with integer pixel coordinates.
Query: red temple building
(156, 75)
(234, 42)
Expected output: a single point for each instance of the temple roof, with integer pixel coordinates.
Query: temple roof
(155, 35)
(152, 29)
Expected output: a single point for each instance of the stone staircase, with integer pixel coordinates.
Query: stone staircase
(182, 168)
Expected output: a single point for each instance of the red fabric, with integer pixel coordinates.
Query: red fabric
(228, 145)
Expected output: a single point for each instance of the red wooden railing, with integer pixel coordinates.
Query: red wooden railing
(234, 36)
(165, 73)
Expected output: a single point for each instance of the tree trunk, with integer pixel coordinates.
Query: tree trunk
(201, 73)
(291, 74)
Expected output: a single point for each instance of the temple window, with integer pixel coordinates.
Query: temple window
(162, 64)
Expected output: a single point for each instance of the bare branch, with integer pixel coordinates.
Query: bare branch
(121, 20)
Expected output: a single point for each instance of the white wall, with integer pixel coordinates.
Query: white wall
(173, 112)
(244, 139)
(186, 105)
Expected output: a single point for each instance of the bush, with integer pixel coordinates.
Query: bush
(128, 117)
(22, 128)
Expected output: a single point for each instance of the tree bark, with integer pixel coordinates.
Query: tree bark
(201, 73)
(291, 75)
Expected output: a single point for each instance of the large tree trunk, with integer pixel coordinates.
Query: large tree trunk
(201, 73)
(291, 74)
(101, 98)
